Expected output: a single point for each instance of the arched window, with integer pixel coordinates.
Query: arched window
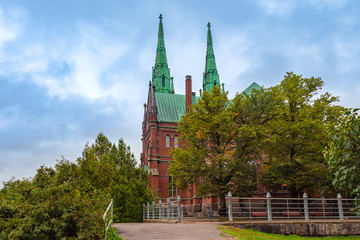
(176, 142)
(167, 141)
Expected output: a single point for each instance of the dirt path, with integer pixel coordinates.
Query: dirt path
(169, 231)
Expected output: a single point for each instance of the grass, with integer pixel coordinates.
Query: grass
(249, 234)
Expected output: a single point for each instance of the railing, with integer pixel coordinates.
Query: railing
(161, 211)
(109, 223)
(267, 209)
(291, 208)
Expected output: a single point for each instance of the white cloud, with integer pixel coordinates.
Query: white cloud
(74, 67)
(236, 55)
(10, 26)
(277, 7)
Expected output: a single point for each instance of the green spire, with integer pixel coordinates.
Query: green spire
(161, 73)
(211, 76)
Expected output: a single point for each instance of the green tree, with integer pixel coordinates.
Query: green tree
(298, 134)
(68, 201)
(112, 168)
(209, 158)
(343, 154)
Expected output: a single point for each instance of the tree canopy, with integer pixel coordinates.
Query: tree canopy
(209, 159)
(298, 134)
(226, 139)
(343, 154)
(68, 200)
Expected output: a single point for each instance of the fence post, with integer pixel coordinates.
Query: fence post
(182, 210)
(306, 207)
(268, 204)
(160, 210)
(168, 209)
(143, 210)
(148, 211)
(153, 210)
(172, 210)
(178, 208)
(230, 207)
(341, 211)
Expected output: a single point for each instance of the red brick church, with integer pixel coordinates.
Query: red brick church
(162, 113)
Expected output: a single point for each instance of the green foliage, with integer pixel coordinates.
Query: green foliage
(112, 235)
(68, 201)
(343, 154)
(112, 168)
(298, 134)
(209, 131)
(249, 234)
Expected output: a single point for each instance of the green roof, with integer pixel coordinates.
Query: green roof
(252, 86)
(171, 107)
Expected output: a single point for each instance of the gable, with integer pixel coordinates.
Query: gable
(252, 86)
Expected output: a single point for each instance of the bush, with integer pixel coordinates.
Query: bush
(68, 201)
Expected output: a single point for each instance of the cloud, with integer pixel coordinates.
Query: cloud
(277, 7)
(77, 70)
(236, 55)
(89, 60)
(10, 24)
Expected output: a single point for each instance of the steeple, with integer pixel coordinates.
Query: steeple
(161, 73)
(211, 76)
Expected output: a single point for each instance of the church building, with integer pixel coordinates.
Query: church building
(163, 111)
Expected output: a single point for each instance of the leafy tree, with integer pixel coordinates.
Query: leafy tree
(68, 201)
(209, 158)
(343, 154)
(298, 134)
(112, 168)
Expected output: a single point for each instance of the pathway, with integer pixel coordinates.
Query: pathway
(169, 231)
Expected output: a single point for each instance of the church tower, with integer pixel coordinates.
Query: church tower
(161, 73)
(211, 76)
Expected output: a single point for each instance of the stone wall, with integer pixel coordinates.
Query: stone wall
(304, 229)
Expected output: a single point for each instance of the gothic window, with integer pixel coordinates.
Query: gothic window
(167, 141)
(176, 142)
(163, 81)
(172, 188)
(148, 150)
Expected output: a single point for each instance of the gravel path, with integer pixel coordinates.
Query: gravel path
(168, 231)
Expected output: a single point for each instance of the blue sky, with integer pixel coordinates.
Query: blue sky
(72, 69)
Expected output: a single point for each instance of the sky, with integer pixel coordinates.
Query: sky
(72, 69)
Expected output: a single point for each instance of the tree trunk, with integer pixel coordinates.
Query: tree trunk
(222, 201)
(294, 193)
(222, 209)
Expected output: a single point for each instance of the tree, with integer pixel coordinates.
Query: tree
(112, 168)
(209, 159)
(298, 134)
(68, 201)
(343, 154)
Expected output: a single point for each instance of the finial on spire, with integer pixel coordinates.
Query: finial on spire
(208, 25)
(160, 17)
